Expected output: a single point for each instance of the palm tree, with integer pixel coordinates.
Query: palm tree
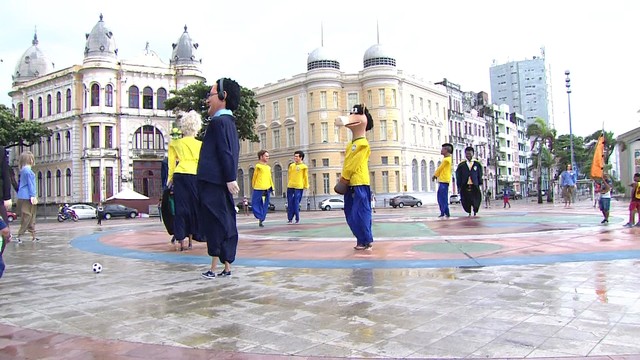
(541, 137)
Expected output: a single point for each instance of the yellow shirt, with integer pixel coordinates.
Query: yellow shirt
(262, 177)
(298, 176)
(186, 152)
(443, 172)
(356, 162)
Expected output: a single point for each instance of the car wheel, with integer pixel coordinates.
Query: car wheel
(132, 214)
(107, 216)
(418, 204)
(10, 218)
(327, 208)
(401, 205)
(394, 206)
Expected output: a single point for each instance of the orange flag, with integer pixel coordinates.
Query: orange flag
(597, 165)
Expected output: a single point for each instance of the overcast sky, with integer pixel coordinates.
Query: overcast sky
(258, 42)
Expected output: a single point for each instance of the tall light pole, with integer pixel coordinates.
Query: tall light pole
(568, 85)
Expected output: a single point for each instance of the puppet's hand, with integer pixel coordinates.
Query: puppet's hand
(342, 186)
(233, 188)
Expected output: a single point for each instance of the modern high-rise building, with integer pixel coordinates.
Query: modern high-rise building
(523, 86)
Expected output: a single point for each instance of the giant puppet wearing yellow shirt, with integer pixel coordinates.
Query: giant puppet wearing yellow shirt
(443, 175)
(354, 183)
(298, 181)
(186, 153)
(262, 184)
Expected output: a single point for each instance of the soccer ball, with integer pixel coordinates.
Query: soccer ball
(97, 268)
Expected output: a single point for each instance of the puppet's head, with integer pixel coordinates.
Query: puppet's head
(359, 120)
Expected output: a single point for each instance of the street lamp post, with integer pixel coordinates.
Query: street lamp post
(568, 85)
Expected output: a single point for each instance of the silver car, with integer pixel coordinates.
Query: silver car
(328, 204)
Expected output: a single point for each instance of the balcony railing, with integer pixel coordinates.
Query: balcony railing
(149, 153)
(96, 153)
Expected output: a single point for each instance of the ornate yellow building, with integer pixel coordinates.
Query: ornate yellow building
(299, 114)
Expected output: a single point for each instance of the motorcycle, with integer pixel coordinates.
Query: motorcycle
(69, 214)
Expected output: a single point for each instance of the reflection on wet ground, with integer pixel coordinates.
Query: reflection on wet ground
(150, 302)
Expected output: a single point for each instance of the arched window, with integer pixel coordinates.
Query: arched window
(31, 109)
(84, 94)
(251, 171)
(95, 95)
(108, 95)
(68, 108)
(162, 96)
(432, 170)
(48, 183)
(414, 174)
(40, 183)
(147, 98)
(40, 147)
(39, 106)
(49, 105)
(58, 103)
(58, 183)
(240, 178)
(21, 111)
(277, 182)
(68, 182)
(68, 141)
(148, 137)
(49, 152)
(134, 97)
(423, 174)
(58, 144)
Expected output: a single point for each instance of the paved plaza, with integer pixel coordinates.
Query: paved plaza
(533, 281)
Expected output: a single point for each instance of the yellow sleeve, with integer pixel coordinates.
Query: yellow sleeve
(256, 175)
(173, 157)
(305, 176)
(439, 169)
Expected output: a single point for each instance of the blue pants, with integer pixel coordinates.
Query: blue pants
(357, 211)
(217, 221)
(294, 196)
(3, 244)
(258, 205)
(443, 199)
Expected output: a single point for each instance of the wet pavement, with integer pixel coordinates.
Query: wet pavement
(535, 281)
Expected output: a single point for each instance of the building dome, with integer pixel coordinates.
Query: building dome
(321, 58)
(32, 64)
(147, 58)
(100, 44)
(184, 51)
(378, 55)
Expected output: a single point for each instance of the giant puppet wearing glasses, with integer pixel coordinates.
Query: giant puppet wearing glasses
(354, 183)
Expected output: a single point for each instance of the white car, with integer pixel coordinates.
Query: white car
(84, 211)
(328, 204)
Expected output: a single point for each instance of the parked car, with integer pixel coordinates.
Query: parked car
(404, 200)
(272, 207)
(115, 210)
(534, 192)
(84, 211)
(11, 216)
(328, 204)
(454, 199)
(514, 195)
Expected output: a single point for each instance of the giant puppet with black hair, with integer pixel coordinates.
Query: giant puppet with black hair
(354, 183)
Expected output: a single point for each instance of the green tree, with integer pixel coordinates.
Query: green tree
(562, 154)
(15, 131)
(193, 97)
(543, 138)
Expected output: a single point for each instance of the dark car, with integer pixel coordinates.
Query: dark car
(404, 200)
(272, 207)
(11, 216)
(116, 210)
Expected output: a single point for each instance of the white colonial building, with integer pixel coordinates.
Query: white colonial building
(110, 127)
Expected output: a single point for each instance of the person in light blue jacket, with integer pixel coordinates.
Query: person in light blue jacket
(27, 199)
